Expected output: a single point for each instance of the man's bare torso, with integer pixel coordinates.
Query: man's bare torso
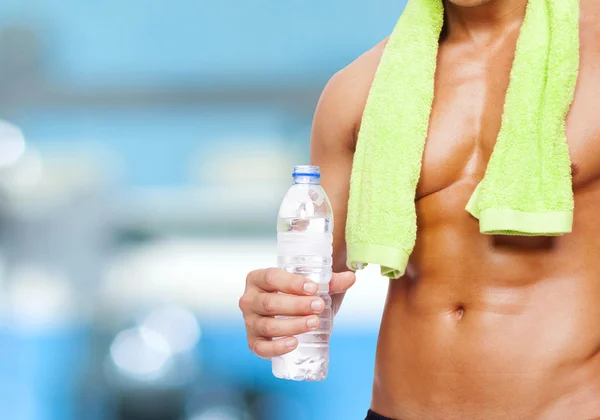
(492, 327)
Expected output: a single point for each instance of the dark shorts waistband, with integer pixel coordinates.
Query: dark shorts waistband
(371, 415)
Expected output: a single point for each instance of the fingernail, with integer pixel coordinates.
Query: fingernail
(290, 342)
(317, 305)
(310, 287)
(312, 322)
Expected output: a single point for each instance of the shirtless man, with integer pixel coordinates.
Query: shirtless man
(480, 327)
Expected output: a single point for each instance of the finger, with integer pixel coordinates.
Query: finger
(267, 349)
(272, 304)
(267, 327)
(340, 282)
(276, 280)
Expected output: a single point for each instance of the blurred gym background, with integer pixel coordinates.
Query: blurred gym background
(145, 146)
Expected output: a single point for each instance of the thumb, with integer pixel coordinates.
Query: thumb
(340, 282)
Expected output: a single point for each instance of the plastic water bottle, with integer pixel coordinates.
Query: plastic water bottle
(305, 244)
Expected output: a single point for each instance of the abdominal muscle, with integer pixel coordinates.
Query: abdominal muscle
(488, 327)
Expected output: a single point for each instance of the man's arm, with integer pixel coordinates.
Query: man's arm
(332, 148)
(333, 141)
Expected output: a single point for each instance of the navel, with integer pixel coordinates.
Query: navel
(458, 312)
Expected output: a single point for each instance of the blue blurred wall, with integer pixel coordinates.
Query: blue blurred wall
(199, 41)
(182, 45)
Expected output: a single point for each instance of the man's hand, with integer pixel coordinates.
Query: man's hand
(262, 302)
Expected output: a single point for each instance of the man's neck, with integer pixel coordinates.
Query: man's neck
(483, 22)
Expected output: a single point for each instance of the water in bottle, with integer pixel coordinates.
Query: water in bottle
(304, 243)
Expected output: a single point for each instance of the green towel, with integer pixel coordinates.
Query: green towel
(527, 188)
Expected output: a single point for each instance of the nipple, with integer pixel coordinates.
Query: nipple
(574, 170)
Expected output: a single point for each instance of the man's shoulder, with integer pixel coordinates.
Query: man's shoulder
(347, 91)
(368, 62)
(361, 72)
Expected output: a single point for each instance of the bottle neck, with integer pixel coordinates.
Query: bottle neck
(307, 174)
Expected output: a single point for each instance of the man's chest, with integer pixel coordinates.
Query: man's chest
(467, 115)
